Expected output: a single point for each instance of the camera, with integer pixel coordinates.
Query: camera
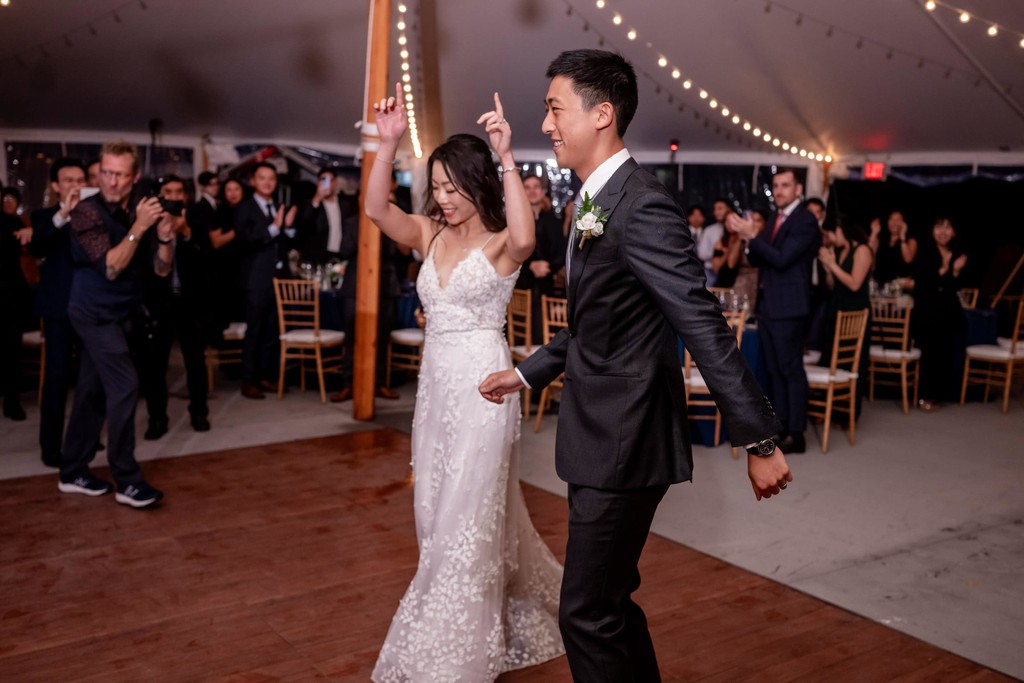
(172, 206)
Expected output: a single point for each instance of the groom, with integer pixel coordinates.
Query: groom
(622, 428)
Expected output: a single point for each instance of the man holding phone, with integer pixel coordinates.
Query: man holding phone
(323, 221)
(176, 307)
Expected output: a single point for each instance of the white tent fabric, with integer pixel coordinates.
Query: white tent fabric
(919, 82)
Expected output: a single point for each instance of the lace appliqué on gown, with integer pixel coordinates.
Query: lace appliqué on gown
(485, 596)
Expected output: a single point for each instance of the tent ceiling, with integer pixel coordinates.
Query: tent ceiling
(294, 70)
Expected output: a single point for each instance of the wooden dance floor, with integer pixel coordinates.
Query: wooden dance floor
(286, 562)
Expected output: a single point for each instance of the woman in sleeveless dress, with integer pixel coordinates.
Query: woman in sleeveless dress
(847, 264)
(484, 599)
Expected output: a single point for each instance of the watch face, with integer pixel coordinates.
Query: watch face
(766, 447)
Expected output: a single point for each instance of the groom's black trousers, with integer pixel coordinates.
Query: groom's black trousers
(604, 631)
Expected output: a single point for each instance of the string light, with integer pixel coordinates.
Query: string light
(410, 100)
(994, 28)
(664, 61)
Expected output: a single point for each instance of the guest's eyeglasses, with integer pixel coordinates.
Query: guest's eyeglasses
(116, 175)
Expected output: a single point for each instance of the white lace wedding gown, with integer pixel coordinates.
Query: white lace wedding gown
(485, 596)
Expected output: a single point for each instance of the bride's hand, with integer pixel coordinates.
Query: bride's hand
(391, 117)
(498, 130)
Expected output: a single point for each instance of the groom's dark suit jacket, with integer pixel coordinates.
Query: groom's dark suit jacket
(622, 420)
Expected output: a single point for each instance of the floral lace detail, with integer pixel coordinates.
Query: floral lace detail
(485, 596)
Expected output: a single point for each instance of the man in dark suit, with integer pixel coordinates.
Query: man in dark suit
(51, 243)
(177, 306)
(538, 272)
(784, 254)
(264, 234)
(633, 286)
(321, 221)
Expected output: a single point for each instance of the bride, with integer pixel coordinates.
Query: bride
(485, 596)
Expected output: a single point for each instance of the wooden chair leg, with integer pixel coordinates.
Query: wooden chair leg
(871, 385)
(853, 412)
(963, 385)
(917, 379)
(903, 388)
(280, 373)
(718, 428)
(1006, 386)
(42, 373)
(828, 419)
(527, 397)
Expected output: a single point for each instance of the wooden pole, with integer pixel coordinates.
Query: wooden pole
(364, 378)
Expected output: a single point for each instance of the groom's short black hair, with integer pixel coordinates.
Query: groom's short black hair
(600, 76)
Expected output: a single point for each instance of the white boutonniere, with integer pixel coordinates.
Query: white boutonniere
(590, 220)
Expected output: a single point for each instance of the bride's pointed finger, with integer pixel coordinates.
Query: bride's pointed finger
(398, 91)
(497, 107)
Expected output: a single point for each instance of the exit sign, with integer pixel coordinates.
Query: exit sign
(874, 170)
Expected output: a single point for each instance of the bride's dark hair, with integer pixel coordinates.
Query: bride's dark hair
(467, 163)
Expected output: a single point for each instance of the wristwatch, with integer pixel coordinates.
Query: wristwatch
(131, 236)
(762, 448)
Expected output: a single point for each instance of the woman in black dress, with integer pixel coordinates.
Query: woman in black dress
(938, 316)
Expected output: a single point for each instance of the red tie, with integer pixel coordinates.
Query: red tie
(779, 220)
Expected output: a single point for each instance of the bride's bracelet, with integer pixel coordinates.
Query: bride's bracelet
(502, 171)
(385, 161)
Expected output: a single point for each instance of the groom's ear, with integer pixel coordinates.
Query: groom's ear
(604, 115)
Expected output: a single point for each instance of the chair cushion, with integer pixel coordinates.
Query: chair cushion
(235, 331)
(819, 375)
(881, 353)
(409, 336)
(33, 338)
(308, 336)
(994, 352)
(1005, 342)
(811, 357)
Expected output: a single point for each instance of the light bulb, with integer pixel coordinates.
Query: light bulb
(662, 62)
(735, 119)
(964, 17)
(828, 158)
(632, 34)
(688, 83)
(756, 132)
(930, 5)
(600, 4)
(617, 19)
(993, 31)
(703, 94)
(746, 125)
(675, 73)
(713, 103)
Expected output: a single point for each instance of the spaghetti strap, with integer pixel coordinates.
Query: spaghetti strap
(484, 245)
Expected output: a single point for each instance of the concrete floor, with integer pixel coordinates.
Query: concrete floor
(919, 526)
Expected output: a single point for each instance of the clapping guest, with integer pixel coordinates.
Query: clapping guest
(938, 316)
(846, 259)
(895, 249)
(264, 232)
(711, 236)
(51, 243)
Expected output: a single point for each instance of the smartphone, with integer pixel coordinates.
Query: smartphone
(325, 182)
(87, 192)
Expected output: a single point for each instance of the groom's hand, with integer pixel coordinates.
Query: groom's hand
(497, 384)
(769, 476)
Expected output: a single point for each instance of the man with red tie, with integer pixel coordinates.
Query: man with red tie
(784, 254)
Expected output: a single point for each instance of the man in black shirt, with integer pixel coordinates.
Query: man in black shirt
(112, 247)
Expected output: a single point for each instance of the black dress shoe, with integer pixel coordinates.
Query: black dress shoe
(157, 428)
(200, 423)
(253, 391)
(344, 394)
(793, 443)
(387, 393)
(14, 411)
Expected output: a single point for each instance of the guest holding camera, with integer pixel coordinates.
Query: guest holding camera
(113, 247)
(176, 306)
(895, 250)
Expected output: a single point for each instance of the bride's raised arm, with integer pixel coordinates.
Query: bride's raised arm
(395, 223)
(522, 231)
